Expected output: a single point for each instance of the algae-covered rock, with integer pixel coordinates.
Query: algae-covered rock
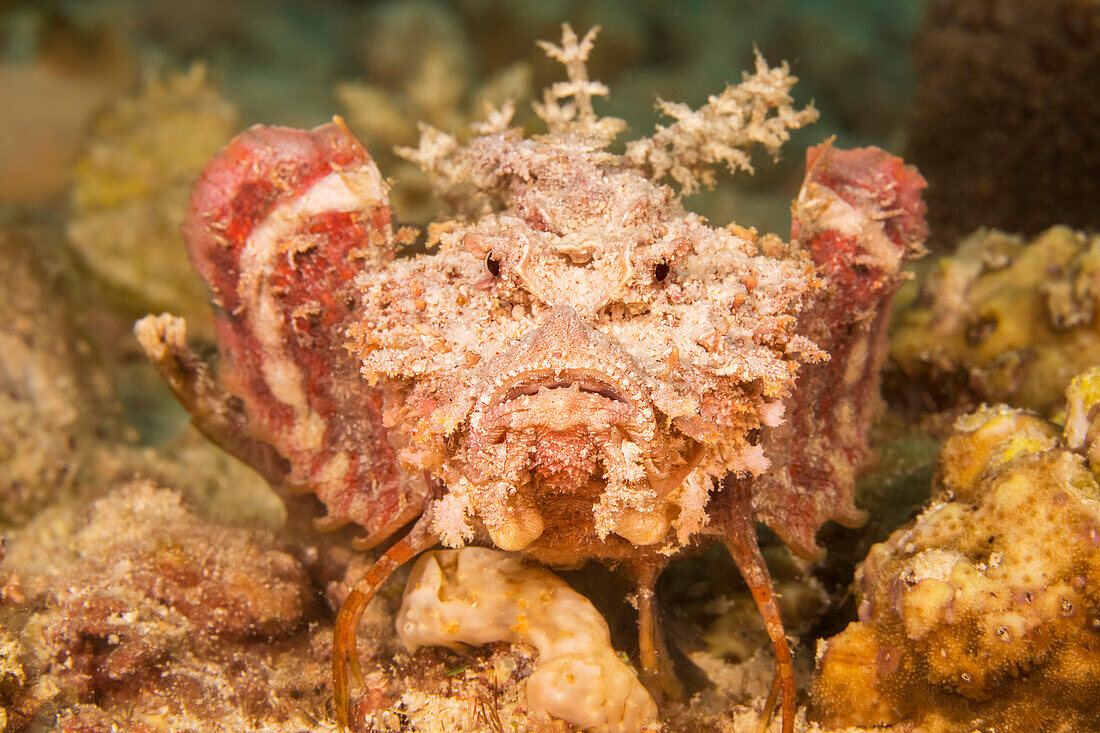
(149, 616)
(51, 397)
(131, 189)
(1003, 320)
(988, 607)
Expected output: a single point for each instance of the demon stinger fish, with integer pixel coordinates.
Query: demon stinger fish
(577, 368)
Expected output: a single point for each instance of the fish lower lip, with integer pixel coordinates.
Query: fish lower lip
(578, 399)
(563, 410)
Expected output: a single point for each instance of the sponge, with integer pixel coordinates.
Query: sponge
(474, 596)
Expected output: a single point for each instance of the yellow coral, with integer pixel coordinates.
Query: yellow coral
(991, 436)
(1015, 320)
(984, 610)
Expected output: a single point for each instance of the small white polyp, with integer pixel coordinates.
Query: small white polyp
(475, 596)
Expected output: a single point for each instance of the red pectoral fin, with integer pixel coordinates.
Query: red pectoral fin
(279, 225)
(859, 215)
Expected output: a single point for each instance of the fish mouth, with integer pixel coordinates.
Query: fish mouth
(564, 417)
(584, 383)
(564, 399)
(548, 434)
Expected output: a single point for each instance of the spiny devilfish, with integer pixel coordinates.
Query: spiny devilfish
(577, 367)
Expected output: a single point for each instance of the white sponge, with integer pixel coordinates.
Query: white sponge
(475, 596)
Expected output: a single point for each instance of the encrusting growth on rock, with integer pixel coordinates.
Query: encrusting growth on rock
(986, 609)
(1003, 319)
(577, 368)
(151, 609)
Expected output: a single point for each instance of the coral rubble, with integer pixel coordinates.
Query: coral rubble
(1002, 320)
(149, 618)
(987, 609)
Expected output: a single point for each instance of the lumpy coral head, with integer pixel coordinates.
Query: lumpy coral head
(985, 609)
(1003, 319)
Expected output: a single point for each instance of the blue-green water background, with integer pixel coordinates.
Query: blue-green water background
(279, 61)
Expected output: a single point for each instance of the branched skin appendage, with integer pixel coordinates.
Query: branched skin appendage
(578, 368)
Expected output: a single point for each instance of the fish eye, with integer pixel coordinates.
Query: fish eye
(660, 271)
(492, 264)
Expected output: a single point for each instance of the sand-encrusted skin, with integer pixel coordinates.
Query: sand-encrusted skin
(859, 215)
(281, 302)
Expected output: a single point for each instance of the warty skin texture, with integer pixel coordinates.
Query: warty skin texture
(577, 368)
